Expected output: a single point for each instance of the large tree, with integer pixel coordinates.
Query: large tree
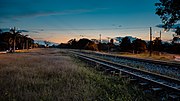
(9, 40)
(15, 33)
(72, 43)
(7, 37)
(126, 44)
(139, 46)
(0, 31)
(157, 44)
(83, 43)
(169, 12)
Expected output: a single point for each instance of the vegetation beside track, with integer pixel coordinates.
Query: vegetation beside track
(51, 74)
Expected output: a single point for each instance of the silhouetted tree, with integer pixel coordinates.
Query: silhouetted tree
(167, 47)
(175, 45)
(157, 44)
(3, 46)
(169, 12)
(102, 47)
(63, 45)
(72, 43)
(91, 46)
(23, 41)
(0, 31)
(82, 43)
(14, 32)
(19, 41)
(31, 43)
(139, 46)
(112, 41)
(126, 44)
(10, 40)
(7, 37)
(111, 45)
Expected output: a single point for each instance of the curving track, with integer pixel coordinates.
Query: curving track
(164, 68)
(165, 82)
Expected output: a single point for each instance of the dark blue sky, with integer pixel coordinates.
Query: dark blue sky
(60, 20)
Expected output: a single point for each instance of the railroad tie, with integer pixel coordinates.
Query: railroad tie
(124, 76)
(156, 90)
(117, 73)
(107, 70)
(133, 80)
(173, 97)
(144, 85)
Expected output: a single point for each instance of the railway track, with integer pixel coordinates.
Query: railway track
(170, 64)
(158, 81)
(164, 68)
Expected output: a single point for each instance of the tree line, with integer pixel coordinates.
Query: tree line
(126, 45)
(13, 40)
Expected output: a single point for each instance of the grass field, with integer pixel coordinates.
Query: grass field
(155, 56)
(53, 75)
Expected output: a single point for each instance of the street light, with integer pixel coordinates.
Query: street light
(150, 53)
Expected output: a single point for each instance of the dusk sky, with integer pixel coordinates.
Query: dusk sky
(61, 20)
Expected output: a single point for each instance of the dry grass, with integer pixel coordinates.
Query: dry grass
(50, 74)
(39, 75)
(155, 56)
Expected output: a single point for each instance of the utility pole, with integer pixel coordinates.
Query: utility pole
(160, 41)
(160, 34)
(150, 53)
(99, 38)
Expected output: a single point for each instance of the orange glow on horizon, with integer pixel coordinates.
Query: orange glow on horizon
(58, 37)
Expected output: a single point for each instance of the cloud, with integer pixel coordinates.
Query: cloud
(159, 26)
(48, 13)
(18, 15)
(173, 27)
(37, 38)
(16, 9)
(28, 31)
(21, 30)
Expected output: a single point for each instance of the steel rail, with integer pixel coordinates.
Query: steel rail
(159, 62)
(157, 79)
